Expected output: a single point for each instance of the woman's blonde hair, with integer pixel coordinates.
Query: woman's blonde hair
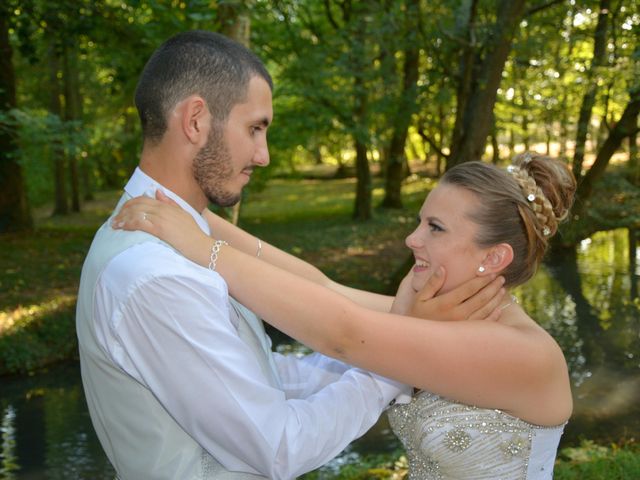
(521, 205)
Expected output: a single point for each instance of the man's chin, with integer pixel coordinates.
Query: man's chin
(227, 200)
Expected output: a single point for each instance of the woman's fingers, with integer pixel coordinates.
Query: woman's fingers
(161, 196)
(141, 213)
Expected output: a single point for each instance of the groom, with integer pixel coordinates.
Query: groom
(179, 378)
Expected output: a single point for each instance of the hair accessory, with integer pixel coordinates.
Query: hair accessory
(259, 249)
(215, 250)
(534, 195)
(481, 269)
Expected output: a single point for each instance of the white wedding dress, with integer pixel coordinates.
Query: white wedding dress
(446, 441)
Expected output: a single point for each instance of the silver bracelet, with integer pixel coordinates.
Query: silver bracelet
(215, 249)
(259, 249)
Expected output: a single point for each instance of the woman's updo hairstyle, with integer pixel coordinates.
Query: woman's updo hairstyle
(521, 206)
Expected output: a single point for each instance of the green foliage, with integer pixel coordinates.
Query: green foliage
(588, 461)
(595, 462)
(391, 466)
(620, 210)
(338, 76)
(39, 132)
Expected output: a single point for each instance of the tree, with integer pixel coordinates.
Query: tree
(626, 127)
(14, 208)
(598, 61)
(479, 77)
(406, 105)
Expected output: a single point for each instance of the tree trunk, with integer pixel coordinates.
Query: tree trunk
(626, 126)
(561, 69)
(589, 98)
(14, 208)
(495, 146)
(634, 159)
(61, 206)
(362, 206)
(473, 120)
(633, 263)
(72, 115)
(396, 160)
(512, 143)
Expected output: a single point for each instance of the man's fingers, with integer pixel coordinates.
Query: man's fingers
(433, 285)
(486, 300)
(468, 289)
(494, 304)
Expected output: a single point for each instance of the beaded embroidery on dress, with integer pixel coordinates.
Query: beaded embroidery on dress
(446, 441)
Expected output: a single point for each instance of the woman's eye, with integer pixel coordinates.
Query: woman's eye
(434, 227)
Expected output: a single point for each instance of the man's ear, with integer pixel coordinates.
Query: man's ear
(195, 119)
(498, 258)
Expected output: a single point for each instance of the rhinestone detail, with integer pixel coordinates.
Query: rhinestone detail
(446, 440)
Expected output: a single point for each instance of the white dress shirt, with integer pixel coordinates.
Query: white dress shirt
(166, 322)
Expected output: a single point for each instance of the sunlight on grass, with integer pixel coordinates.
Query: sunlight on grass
(22, 316)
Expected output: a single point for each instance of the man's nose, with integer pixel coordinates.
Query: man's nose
(261, 157)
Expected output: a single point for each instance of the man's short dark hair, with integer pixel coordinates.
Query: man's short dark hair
(194, 63)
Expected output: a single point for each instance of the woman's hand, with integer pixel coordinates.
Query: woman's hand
(164, 219)
(478, 299)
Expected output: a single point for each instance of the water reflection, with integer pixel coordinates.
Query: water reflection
(46, 431)
(587, 301)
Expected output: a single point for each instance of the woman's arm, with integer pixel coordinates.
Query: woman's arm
(475, 299)
(484, 363)
(251, 245)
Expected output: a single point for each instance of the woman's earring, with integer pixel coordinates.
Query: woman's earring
(481, 269)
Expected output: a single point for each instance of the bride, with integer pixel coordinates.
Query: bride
(491, 397)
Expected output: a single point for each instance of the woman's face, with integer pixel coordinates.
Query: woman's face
(445, 237)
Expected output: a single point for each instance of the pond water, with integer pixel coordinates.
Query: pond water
(589, 303)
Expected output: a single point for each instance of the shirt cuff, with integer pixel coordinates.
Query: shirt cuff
(392, 391)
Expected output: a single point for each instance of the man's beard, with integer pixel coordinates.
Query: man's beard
(212, 168)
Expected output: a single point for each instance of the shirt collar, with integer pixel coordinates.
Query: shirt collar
(142, 184)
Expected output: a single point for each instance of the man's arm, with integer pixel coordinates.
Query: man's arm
(178, 339)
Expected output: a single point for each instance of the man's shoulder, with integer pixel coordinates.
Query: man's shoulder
(157, 262)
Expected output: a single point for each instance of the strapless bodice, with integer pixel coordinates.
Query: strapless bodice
(445, 440)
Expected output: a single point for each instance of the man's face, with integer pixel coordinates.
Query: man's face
(224, 165)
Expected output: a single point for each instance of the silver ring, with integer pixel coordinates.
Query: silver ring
(144, 216)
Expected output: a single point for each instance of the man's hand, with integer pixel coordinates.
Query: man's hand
(479, 298)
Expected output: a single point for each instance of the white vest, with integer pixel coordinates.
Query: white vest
(140, 438)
